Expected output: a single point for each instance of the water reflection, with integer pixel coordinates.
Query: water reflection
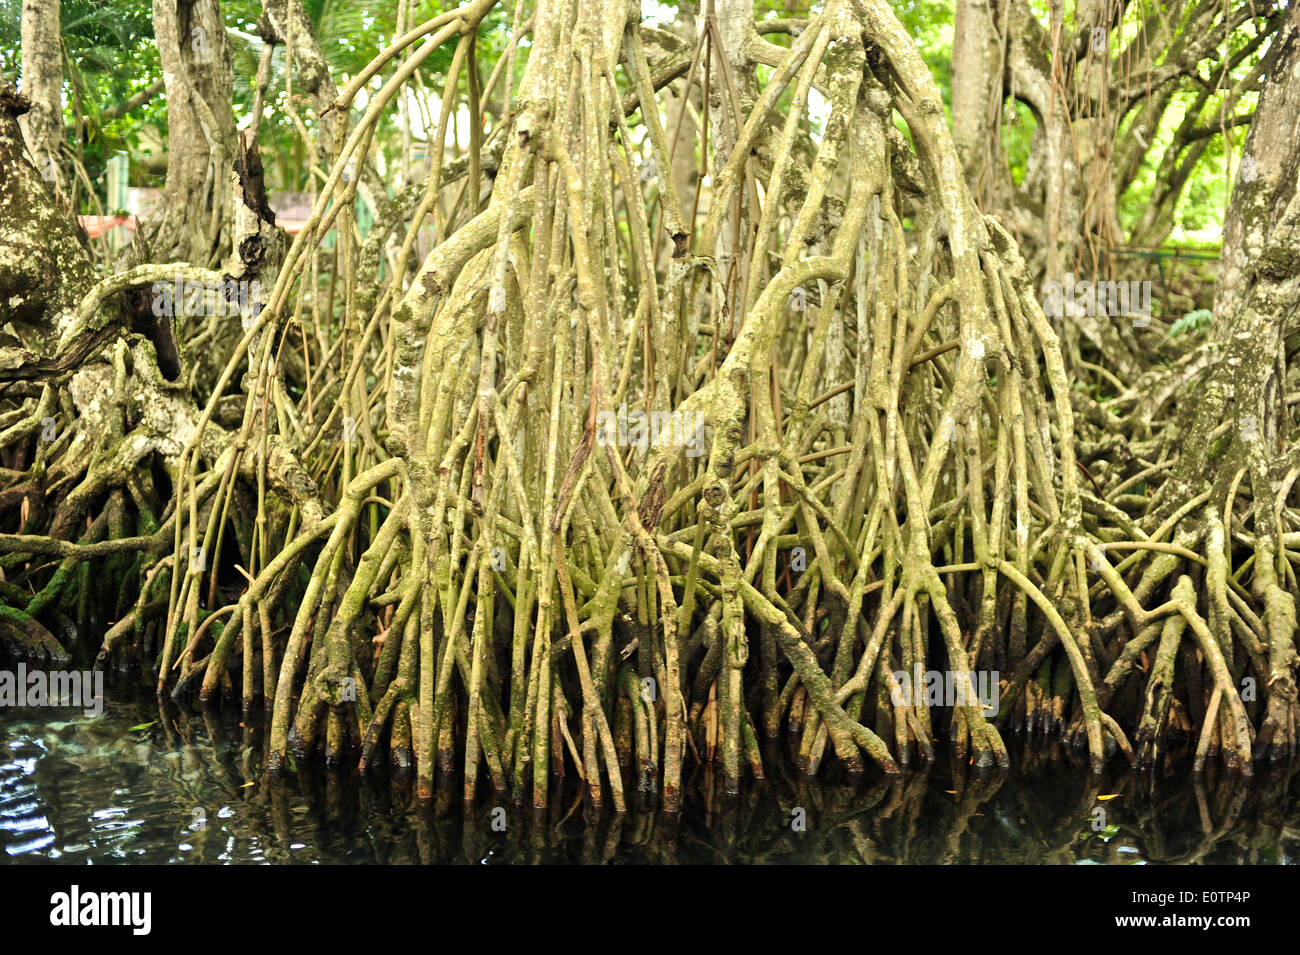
(156, 785)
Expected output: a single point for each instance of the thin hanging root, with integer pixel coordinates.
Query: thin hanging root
(1083, 682)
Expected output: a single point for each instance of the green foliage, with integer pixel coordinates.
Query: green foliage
(1191, 321)
(106, 44)
(930, 22)
(1018, 127)
(110, 55)
(10, 55)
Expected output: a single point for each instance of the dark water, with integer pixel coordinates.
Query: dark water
(188, 789)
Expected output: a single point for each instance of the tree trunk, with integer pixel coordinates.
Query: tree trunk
(42, 85)
(194, 222)
(1257, 297)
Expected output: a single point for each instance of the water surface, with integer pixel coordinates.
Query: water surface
(148, 784)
